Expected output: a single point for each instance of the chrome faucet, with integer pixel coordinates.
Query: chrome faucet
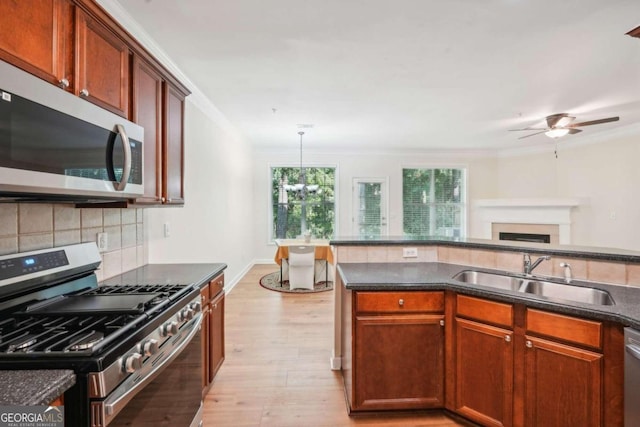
(527, 266)
(567, 271)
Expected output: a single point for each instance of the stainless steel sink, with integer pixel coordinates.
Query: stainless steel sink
(569, 292)
(501, 281)
(532, 286)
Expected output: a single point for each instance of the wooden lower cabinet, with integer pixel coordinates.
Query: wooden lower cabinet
(484, 373)
(396, 356)
(212, 297)
(401, 364)
(563, 385)
(216, 335)
(505, 364)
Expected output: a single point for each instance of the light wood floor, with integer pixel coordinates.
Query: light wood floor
(276, 371)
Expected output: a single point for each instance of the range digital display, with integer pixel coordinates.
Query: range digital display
(20, 266)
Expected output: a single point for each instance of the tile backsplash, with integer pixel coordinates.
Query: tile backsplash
(31, 226)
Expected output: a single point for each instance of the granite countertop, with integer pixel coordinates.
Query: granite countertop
(34, 387)
(168, 274)
(439, 276)
(589, 252)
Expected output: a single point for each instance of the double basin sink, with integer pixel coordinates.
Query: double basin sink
(537, 287)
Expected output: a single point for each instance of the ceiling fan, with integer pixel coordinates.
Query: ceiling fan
(561, 124)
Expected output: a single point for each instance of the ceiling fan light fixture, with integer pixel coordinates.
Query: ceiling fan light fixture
(557, 133)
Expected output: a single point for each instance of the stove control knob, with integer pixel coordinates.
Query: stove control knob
(133, 362)
(187, 314)
(150, 347)
(169, 329)
(196, 307)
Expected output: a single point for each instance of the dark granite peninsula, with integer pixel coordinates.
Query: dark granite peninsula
(503, 350)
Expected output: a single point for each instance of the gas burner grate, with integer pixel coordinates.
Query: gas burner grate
(61, 334)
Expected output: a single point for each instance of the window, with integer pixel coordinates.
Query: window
(433, 202)
(291, 215)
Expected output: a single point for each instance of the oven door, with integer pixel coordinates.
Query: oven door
(170, 394)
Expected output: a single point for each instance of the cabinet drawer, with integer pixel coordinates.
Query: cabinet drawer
(567, 328)
(399, 302)
(493, 312)
(216, 285)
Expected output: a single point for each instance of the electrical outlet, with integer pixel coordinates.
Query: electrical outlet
(167, 230)
(102, 241)
(409, 252)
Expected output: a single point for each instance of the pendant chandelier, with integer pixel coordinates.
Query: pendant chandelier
(301, 189)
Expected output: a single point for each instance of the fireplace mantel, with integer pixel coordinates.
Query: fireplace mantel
(556, 211)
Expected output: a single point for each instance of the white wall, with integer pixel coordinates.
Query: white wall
(481, 172)
(216, 223)
(605, 174)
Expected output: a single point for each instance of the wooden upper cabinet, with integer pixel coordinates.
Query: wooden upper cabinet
(147, 112)
(102, 65)
(173, 146)
(37, 36)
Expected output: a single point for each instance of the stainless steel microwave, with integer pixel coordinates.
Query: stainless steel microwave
(56, 146)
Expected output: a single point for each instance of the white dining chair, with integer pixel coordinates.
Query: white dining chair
(301, 267)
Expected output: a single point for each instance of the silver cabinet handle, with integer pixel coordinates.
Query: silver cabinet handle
(441, 322)
(401, 302)
(528, 344)
(64, 83)
(126, 170)
(84, 93)
(507, 338)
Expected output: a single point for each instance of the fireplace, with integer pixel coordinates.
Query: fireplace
(526, 220)
(525, 237)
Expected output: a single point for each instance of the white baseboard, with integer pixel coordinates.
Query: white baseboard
(229, 284)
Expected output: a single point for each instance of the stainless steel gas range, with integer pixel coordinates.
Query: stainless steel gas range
(135, 349)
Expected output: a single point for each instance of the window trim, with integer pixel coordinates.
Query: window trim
(269, 202)
(465, 211)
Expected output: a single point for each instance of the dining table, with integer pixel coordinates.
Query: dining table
(323, 252)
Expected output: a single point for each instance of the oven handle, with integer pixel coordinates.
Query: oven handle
(633, 350)
(126, 168)
(111, 409)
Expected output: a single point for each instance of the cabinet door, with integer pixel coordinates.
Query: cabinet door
(36, 35)
(398, 362)
(216, 335)
(102, 65)
(484, 373)
(147, 112)
(173, 163)
(204, 299)
(563, 385)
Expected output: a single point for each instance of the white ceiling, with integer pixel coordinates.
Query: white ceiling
(406, 74)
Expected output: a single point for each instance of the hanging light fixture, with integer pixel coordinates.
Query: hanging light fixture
(557, 132)
(301, 189)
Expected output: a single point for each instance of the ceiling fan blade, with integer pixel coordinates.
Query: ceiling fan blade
(594, 122)
(537, 133)
(574, 131)
(553, 119)
(514, 130)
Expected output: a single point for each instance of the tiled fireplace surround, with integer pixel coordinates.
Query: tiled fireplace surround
(30, 226)
(585, 269)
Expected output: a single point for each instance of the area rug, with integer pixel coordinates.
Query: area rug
(272, 282)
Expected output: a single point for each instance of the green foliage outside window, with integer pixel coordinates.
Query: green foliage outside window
(433, 202)
(319, 207)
